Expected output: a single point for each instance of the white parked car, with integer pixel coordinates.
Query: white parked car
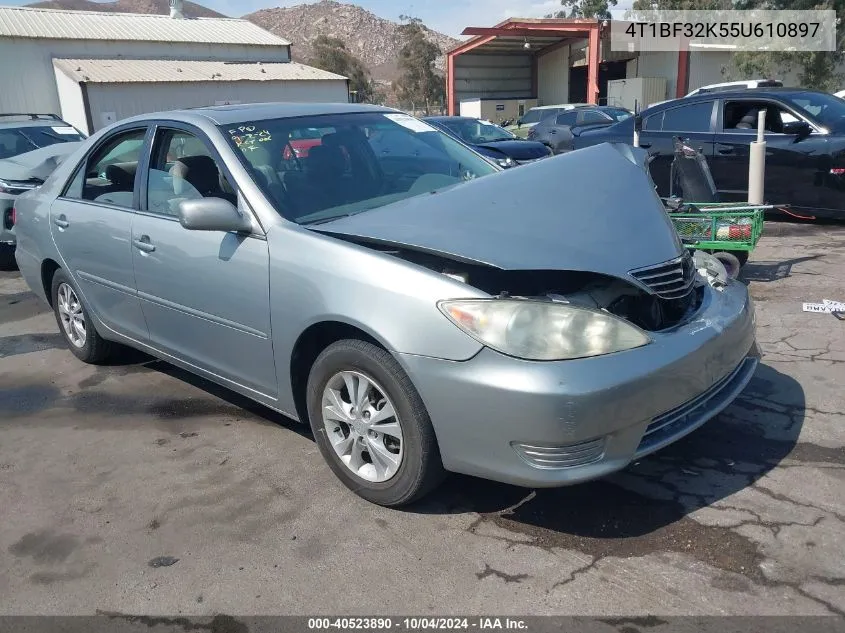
(738, 85)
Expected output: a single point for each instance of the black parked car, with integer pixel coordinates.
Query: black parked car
(558, 132)
(805, 143)
(490, 140)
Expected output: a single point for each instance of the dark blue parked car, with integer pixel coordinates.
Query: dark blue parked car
(490, 140)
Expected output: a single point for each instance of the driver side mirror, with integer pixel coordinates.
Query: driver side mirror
(799, 129)
(212, 214)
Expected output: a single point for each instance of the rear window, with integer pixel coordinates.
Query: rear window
(534, 115)
(19, 140)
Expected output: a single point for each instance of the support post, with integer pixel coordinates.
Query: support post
(757, 162)
(450, 84)
(593, 62)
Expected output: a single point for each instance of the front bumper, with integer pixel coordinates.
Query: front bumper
(557, 423)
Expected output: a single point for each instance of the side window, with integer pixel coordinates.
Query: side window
(653, 123)
(689, 118)
(108, 175)
(182, 168)
(742, 116)
(567, 118)
(591, 116)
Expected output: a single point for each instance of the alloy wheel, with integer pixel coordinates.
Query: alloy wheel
(362, 426)
(72, 315)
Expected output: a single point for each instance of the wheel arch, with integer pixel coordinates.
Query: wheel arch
(309, 345)
(48, 270)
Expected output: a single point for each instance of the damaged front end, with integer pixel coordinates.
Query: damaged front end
(652, 299)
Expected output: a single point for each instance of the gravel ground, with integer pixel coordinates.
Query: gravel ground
(137, 488)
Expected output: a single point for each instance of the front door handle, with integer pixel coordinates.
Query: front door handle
(143, 244)
(61, 221)
(724, 150)
(645, 145)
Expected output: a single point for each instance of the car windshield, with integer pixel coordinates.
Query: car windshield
(826, 109)
(357, 162)
(476, 131)
(19, 140)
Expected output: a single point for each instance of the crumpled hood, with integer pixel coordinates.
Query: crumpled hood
(590, 210)
(38, 163)
(517, 149)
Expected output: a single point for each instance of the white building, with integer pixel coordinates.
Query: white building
(94, 68)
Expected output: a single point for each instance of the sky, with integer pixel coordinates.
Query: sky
(447, 16)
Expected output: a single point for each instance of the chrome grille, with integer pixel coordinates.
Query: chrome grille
(670, 280)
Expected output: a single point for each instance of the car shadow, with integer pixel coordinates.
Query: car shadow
(766, 271)
(258, 411)
(728, 454)
(649, 499)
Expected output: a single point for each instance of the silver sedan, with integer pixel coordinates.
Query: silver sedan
(424, 310)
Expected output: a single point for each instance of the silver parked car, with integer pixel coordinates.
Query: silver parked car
(423, 309)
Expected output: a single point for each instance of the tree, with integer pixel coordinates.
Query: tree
(330, 54)
(418, 82)
(819, 69)
(585, 9)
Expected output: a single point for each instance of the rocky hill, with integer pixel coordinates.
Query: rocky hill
(374, 40)
(161, 7)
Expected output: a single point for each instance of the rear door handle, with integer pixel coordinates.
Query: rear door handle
(645, 145)
(143, 244)
(725, 150)
(61, 221)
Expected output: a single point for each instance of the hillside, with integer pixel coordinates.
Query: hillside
(161, 7)
(374, 40)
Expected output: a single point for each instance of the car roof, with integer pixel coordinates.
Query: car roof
(225, 115)
(6, 124)
(744, 93)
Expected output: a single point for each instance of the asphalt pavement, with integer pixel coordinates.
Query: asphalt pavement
(138, 489)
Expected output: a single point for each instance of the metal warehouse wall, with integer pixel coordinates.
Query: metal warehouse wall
(125, 100)
(656, 64)
(29, 84)
(501, 76)
(553, 77)
(706, 68)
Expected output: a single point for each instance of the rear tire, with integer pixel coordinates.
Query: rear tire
(7, 257)
(74, 320)
(742, 256)
(353, 446)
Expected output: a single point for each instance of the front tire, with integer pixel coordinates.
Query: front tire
(370, 424)
(75, 323)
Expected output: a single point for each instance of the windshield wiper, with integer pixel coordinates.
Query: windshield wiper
(330, 218)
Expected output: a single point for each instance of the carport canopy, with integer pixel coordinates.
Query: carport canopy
(532, 37)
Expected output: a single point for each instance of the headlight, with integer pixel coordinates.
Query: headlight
(542, 330)
(505, 162)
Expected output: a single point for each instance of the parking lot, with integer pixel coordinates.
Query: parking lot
(105, 470)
